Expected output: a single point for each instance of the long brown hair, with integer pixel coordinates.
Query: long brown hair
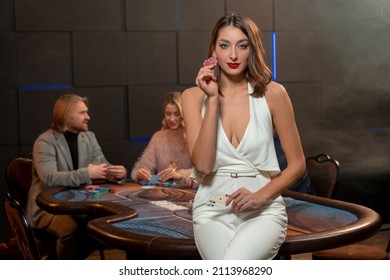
(257, 73)
(63, 108)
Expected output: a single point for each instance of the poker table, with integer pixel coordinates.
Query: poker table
(150, 222)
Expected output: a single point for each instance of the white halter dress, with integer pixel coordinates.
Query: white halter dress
(221, 233)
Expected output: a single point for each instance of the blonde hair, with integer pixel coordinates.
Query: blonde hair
(63, 108)
(175, 99)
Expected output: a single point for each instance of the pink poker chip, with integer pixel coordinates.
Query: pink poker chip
(210, 61)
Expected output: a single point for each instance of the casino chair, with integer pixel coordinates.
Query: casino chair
(19, 178)
(324, 173)
(21, 229)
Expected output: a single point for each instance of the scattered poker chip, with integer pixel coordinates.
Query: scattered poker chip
(105, 189)
(94, 193)
(145, 183)
(169, 184)
(91, 187)
(97, 191)
(159, 184)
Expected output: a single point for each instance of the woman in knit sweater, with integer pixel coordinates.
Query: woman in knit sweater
(166, 147)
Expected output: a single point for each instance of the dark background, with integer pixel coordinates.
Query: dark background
(126, 55)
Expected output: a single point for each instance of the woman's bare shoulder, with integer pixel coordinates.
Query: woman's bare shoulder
(275, 88)
(277, 96)
(275, 91)
(193, 93)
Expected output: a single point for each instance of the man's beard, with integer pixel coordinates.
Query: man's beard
(80, 128)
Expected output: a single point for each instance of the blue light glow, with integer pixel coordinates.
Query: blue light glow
(384, 129)
(140, 139)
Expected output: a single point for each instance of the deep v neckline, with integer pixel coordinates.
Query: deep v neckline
(250, 90)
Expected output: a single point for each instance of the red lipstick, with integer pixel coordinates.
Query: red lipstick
(233, 65)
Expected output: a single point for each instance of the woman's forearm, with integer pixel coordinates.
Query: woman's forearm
(203, 153)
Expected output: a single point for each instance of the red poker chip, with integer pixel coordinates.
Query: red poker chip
(210, 61)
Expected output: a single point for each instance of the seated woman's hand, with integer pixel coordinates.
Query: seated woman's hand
(168, 174)
(143, 174)
(190, 183)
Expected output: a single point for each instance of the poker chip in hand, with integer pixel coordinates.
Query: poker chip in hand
(210, 61)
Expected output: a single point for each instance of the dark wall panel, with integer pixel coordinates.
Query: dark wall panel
(151, 58)
(35, 119)
(261, 12)
(117, 151)
(8, 76)
(43, 15)
(266, 38)
(358, 15)
(9, 113)
(25, 149)
(306, 100)
(44, 58)
(299, 14)
(298, 57)
(137, 148)
(191, 55)
(7, 18)
(108, 111)
(156, 15)
(7, 153)
(99, 58)
(98, 15)
(199, 15)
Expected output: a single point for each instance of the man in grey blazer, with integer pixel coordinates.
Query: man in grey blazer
(66, 155)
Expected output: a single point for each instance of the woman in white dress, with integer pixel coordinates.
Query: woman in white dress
(230, 120)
